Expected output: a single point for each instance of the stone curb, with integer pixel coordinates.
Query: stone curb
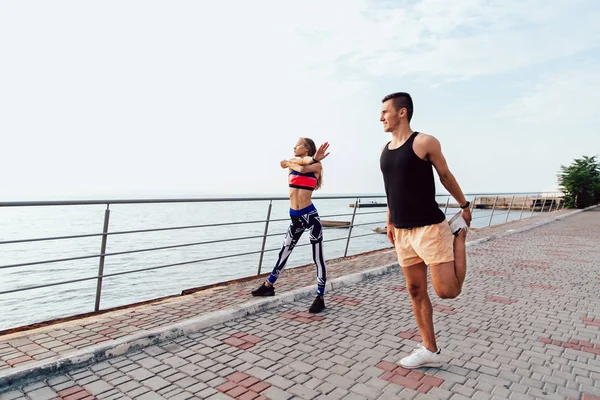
(12, 378)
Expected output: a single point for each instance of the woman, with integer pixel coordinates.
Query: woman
(305, 175)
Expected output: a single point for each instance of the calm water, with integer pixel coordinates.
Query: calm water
(47, 303)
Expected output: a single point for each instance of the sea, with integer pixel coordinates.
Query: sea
(167, 271)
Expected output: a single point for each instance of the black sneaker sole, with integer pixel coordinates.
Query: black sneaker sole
(263, 294)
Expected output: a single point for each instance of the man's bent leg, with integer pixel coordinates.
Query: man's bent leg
(416, 283)
(444, 280)
(460, 257)
(448, 277)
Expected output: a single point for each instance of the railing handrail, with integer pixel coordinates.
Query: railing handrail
(169, 228)
(533, 198)
(224, 199)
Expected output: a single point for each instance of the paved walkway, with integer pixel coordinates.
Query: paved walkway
(526, 326)
(34, 346)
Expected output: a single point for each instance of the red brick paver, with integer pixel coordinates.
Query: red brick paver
(411, 379)
(242, 386)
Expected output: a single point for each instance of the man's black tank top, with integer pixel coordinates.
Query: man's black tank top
(409, 187)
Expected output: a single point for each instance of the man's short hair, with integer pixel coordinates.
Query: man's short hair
(401, 100)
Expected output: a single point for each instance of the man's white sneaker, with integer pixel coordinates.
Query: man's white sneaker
(457, 223)
(421, 357)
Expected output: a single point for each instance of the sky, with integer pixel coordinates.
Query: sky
(129, 99)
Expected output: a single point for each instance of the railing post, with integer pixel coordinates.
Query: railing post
(551, 205)
(264, 241)
(533, 207)
(447, 202)
(350, 229)
(101, 263)
(472, 206)
(523, 208)
(543, 206)
(493, 208)
(509, 206)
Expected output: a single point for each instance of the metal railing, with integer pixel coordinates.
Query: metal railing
(534, 201)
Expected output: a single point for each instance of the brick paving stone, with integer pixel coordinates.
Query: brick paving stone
(44, 393)
(275, 393)
(156, 383)
(94, 386)
(12, 395)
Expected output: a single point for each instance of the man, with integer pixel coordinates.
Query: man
(415, 224)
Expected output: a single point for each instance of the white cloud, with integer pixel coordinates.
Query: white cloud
(451, 40)
(568, 96)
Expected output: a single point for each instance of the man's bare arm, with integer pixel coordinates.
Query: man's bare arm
(390, 228)
(434, 154)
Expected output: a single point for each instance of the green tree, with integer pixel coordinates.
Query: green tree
(580, 182)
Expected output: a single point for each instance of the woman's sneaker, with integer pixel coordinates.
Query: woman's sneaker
(457, 223)
(421, 357)
(264, 290)
(317, 306)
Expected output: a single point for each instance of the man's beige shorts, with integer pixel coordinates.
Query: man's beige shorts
(431, 244)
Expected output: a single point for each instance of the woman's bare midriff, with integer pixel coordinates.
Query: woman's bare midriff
(300, 198)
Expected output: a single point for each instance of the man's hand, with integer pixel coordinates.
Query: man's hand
(284, 163)
(466, 214)
(320, 154)
(390, 234)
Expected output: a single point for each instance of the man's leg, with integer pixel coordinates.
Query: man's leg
(415, 273)
(460, 257)
(448, 277)
(416, 283)
(458, 227)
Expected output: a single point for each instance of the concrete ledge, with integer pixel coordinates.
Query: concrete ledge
(12, 378)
